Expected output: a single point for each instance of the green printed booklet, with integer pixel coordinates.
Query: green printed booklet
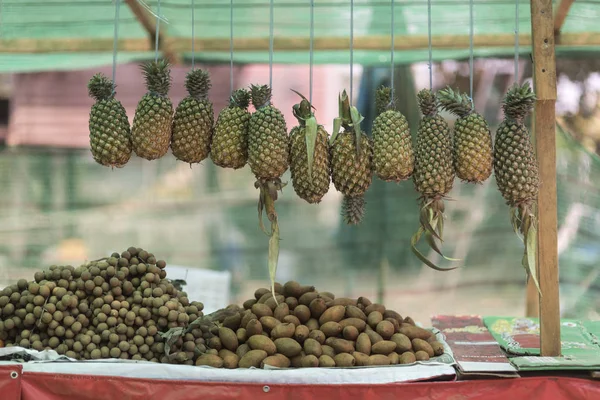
(520, 339)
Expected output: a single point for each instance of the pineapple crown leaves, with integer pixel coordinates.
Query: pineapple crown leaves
(349, 118)
(428, 103)
(158, 77)
(523, 221)
(261, 95)
(100, 87)
(266, 202)
(383, 99)
(197, 83)
(518, 101)
(240, 98)
(303, 112)
(455, 102)
(431, 220)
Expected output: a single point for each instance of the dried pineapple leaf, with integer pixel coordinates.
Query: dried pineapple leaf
(431, 242)
(425, 219)
(413, 244)
(273, 255)
(530, 251)
(261, 207)
(440, 227)
(171, 337)
(337, 124)
(356, 120)
(311, 141)
(514, 221)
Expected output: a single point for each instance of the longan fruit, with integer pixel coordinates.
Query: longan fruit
(89, 285)
(124, 346)
(46, 318)
(22, 284)
(53, 342)
(172, 316)
(95, 354)
(58, 316)
(76, 327)
(38, 276)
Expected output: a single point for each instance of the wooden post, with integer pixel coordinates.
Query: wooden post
(544, 64)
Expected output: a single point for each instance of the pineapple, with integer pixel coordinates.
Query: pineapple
(268, 153)
(516, 170)
(309, 155)
(472, 139)
(110, 136)
(151, 131)
(434, 173)
(267, 137)
(230, 140)
(393, 157)
(351, 161)
(193, 121)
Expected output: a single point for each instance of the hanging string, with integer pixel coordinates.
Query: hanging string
(271, 45)
(471, 71)
(115, 43)
(517, 41)
(429, 39)
(193, 35)
(351, 49)
(231, 47)
(392, 54)
(312, 38)
(157, 32)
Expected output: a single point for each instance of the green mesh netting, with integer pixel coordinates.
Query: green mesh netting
(94, 19)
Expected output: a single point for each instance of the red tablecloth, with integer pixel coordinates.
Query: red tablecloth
(15, 385)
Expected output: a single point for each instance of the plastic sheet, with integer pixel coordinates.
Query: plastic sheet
(41, 386)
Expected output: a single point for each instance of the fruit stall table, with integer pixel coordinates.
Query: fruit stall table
(21, 382)
(474, 367)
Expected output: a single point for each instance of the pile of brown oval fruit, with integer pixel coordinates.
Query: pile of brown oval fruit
(300, 327)
(114, 307)
(123, 306)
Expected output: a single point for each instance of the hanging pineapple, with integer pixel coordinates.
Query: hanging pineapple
(309, 155)
(267, 137)
(193, 121)
(473, 157)
(351, 161)
(516, 170)
(393, 157)
(268, 153)
(230, 140)
(434, 174)
(151, 131)
(110, 136)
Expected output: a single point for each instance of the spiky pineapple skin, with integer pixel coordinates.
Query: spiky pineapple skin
(313, 191)
(434, 170)
(515, 164)
(192, 130)
(393, 155)
(268, 147)
(473, 153)
(110, 135)
(151, 131)
(351, 175)
(230, 140)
